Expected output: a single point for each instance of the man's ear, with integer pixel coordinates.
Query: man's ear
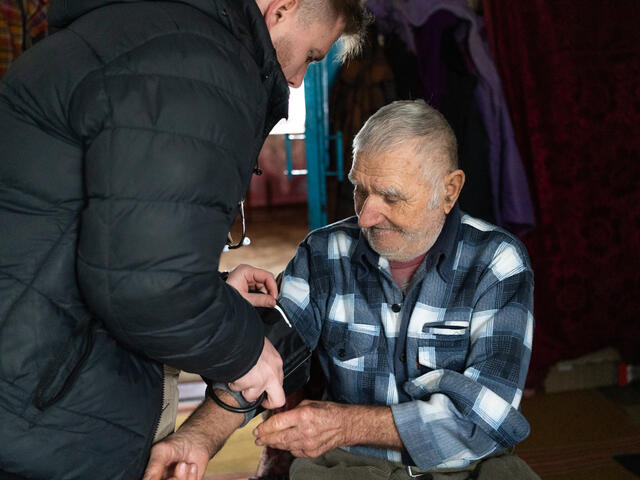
(278, 11)
(453, 183)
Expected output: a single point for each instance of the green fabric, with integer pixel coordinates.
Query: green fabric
(341, 465)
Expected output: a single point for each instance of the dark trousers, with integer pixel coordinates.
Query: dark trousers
(341, 465)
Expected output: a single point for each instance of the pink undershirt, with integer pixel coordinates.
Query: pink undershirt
(403, 271)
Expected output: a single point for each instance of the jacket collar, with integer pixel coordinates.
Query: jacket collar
(441, 254)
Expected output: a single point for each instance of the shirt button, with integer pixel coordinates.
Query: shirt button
(403, 357)
(395, 307)
(341, 353)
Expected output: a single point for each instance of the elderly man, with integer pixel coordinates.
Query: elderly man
(421, 317)
(128, 141)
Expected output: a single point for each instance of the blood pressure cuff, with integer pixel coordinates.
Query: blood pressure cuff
(296, 362)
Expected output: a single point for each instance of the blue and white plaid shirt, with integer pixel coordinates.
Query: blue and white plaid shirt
(449, 356)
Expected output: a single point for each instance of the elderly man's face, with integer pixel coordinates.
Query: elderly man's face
(392, 199)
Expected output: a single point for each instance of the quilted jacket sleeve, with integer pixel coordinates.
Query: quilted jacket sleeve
(169, 148)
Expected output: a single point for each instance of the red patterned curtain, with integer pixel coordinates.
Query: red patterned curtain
(571, 74)
(22, 23)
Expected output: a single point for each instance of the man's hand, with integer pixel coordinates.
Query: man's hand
(308, 430)
(313, 428)
(178, 457)
(184, 455)
(247, 279)
(265, 376)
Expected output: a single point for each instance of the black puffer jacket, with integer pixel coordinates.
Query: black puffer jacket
(127, 140)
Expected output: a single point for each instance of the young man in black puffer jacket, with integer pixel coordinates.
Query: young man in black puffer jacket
(127, 140)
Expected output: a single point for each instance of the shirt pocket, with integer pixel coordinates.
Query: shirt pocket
(352, 351)
(349, 343)
(444, 344)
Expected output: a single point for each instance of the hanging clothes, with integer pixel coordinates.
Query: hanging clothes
(449, 85)
(428, 41)
(462, 112)
(511, 199)
(22, 23)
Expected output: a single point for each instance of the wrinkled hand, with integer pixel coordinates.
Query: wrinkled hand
(177, 457)
(266, 375)
(247, 279)
(308, 430)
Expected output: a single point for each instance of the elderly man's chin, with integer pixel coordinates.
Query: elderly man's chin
(388, 243)
(398, 245)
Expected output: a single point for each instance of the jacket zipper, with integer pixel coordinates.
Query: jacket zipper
(157, 424)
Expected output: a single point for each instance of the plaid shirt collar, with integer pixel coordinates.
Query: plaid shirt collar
(441, 254)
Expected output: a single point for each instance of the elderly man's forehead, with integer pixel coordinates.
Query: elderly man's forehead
(384, 180)
(404, 158)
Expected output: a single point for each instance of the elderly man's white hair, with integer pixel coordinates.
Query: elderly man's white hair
(410, 121)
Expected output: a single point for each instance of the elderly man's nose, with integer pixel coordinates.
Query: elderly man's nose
(369, 214)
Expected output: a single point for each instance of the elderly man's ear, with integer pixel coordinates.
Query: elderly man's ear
(453, 183)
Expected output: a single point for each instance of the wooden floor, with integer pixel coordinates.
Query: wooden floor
(274, 233)
(576, 435)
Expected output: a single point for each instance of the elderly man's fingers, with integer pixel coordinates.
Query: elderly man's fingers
(287, 439)
(299, 454)
(295, 441)
(278, 422)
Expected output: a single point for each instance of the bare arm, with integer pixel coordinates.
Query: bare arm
(372, 426)
(210, 425)
(184, 454)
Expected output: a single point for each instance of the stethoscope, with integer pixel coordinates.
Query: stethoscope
(244, 240)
